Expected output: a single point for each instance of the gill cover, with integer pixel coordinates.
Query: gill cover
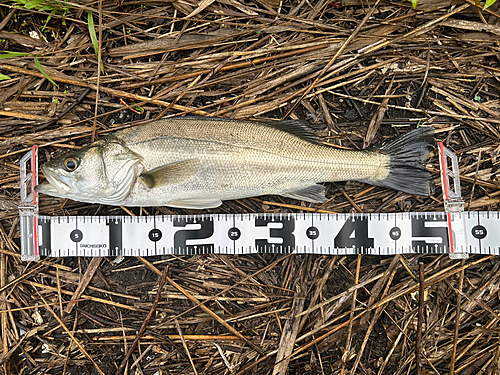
(104, 173)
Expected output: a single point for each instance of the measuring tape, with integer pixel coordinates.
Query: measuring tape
(453, 232)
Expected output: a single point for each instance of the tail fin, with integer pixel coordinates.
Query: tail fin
(407, 154)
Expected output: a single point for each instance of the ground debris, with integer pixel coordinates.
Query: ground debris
(357, 78)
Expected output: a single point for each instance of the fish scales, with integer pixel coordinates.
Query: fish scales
(199, 162)
(241, 159)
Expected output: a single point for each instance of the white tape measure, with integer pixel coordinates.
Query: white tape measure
(453, 232)
(375, 234)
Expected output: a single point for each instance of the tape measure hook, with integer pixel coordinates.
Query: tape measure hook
(452, 193)
(453, 203)
(28, 209)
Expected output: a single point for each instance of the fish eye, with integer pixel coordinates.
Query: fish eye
(71, 163)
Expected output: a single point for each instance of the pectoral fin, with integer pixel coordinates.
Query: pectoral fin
(313, 194)
(170, 174)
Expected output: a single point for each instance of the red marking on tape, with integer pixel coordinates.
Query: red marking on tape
(444, 173)
(444, 169)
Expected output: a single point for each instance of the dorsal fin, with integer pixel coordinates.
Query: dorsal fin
(297, 128)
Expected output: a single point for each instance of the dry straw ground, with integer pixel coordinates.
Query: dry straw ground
(359, 72)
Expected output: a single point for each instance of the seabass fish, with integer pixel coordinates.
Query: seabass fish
(197, 162)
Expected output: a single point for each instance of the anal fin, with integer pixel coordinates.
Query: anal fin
(196, 204)
(313, 194)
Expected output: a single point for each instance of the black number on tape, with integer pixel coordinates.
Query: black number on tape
(115, 237)
(45, 246)
(312, 233)
(395, 233)
(234, 233)
(431, 234)
(154, 235)
(285, 233)
(479, 232)
(182, 236)
(354, 234)
(76, 235)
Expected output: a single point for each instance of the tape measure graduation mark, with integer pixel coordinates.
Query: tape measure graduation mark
(375, 234)
(454, 232)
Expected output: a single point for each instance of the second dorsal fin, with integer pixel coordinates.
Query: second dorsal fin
(297, 128)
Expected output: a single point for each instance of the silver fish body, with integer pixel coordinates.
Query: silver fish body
(199, 162)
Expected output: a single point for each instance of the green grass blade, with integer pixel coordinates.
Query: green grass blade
(9, 54)
(489, 3)
(93, 36)
(3, 77)
(40, 68)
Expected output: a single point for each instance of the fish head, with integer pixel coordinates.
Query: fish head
(102, 172)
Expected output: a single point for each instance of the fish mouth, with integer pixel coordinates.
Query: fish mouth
(55, 185)
(46, 188)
